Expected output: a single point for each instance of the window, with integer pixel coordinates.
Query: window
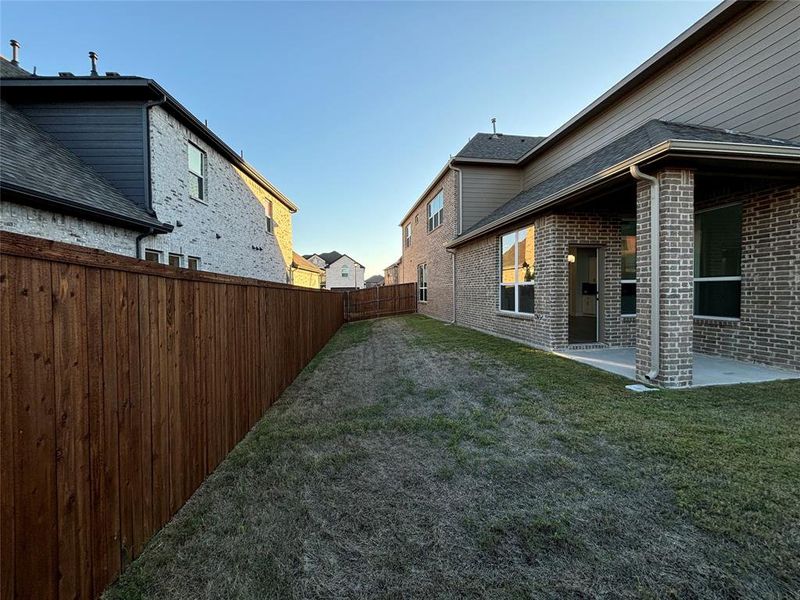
(152, 255)
(197, 170)
(268, 217)
(628, 270)
(718, 262)
(422, 282)
(193, 263)
(516, 271)
(345, 271)
(436, 211)
(175, 260)
(408, 235)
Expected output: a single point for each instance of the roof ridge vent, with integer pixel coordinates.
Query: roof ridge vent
(112, 74)
(65, 74)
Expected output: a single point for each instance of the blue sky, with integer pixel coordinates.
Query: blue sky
(352, 108)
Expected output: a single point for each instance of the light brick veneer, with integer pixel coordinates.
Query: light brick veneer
(677, 285)
(429, 247)
(769, 328)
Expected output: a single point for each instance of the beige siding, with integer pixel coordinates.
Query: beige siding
(743, 78)
(485, 189)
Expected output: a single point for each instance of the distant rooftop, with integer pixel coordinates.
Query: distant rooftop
(499, 146)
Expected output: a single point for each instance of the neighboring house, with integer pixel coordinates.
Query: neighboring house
(118, 164)
(305, 273)
(555, 249)
(341, 271)
(391, 274)
(374, 281)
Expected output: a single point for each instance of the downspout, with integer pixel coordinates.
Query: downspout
(459, 222)
(655, 271)
(150, 231)
(452, 254)
(139, 239)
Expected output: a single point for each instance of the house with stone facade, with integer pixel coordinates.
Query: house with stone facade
(663, 220)
(341, 272)
(116, 163)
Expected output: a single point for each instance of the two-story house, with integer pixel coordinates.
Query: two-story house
(340, 271)
(116, 163)
(475, 181)
(661, 222)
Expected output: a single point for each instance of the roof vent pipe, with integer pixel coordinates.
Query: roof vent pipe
(494, 127)
(655, 272)
(15, 53)
(93, 57)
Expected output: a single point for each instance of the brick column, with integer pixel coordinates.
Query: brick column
(677, 285)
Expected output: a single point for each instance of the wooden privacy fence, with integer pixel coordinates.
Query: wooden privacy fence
(124, 384)
(382, 301)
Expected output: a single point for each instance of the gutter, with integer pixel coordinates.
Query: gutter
(452, 254)
(655, 272)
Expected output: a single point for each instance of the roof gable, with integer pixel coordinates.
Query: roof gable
(500, 146)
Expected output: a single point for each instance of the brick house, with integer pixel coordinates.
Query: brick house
(391, 274)
(707, 130)
(164, 186)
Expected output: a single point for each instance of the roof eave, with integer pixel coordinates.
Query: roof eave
(684, 148)
(36, 198)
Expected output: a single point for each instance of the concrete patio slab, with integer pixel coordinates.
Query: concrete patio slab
(708, 370)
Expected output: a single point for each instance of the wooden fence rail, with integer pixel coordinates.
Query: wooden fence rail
(124, 384)
(380, 301)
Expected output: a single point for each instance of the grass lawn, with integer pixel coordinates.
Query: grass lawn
(418, 459)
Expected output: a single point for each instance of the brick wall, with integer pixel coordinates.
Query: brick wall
(228, 230)
(28, 220)
(478, 280)
(429, 247)
(769, 328)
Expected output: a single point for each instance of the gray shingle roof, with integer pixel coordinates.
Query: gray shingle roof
(10, 70)
(374, 279)
(34, 162)
(498, 147)
(648, 135)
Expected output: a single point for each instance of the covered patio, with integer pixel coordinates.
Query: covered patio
(707, 370)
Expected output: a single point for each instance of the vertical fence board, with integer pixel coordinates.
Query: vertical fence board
(35, 493)
(7, 556)
(70, 366)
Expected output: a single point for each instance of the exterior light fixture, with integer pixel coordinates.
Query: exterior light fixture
(570, 258)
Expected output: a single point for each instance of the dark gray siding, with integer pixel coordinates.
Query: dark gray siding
(110, 137)
(486, 189)
(746, 77)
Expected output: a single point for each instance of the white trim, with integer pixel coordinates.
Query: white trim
(627, 281)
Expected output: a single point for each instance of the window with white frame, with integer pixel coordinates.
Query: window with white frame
(628, 269)
(422, 282)
(436, 211)
(153, 256)
(718, 262)
(269, 223)
(517, 257)
(345, 271)
(193, 263)
(408, 235)
(175, 260)
(197, 172)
